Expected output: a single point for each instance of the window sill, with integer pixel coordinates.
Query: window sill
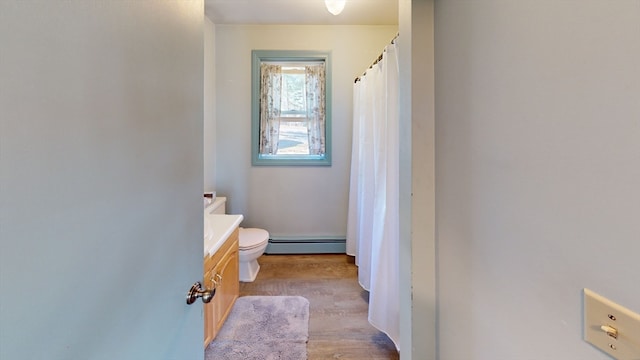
(291, 160)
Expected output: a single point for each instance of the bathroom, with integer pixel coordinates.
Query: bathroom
(303, 208)
(295, 204)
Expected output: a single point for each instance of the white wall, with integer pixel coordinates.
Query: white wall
(537, 172)
(209, 132)
(288, 201)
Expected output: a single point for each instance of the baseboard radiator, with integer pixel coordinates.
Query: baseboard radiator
(306, 245)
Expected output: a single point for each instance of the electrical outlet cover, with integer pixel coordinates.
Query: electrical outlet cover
(601, 314)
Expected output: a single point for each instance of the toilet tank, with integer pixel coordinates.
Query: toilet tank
(218, 206)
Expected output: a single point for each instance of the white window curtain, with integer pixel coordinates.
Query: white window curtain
(315, 97)
(373, 219)
(270, 97)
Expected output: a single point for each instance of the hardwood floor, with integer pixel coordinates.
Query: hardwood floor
(338, 326)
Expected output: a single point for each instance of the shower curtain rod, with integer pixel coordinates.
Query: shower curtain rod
(393, 41)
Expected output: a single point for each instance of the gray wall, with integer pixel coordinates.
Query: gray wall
(288, 201)
(209, 132)
(537, 172)
(100, 179)
(417, 180)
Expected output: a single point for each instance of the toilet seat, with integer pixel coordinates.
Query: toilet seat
(250, 238)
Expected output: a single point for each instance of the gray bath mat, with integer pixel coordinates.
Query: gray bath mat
(263, 327)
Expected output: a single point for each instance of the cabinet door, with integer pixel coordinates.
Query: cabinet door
(228, 286)
(210, 320)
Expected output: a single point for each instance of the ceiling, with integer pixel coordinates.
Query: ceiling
(301, 12)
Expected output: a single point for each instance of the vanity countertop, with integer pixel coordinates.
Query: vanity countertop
(220, 227)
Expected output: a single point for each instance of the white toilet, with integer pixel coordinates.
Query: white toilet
(252, 243)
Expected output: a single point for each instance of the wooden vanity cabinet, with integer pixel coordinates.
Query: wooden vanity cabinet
(208, 309)
(222, 272)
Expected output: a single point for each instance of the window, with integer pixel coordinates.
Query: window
(291, 108)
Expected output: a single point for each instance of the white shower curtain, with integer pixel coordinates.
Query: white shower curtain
(373, 219)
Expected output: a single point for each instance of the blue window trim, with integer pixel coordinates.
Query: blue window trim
(258, 56)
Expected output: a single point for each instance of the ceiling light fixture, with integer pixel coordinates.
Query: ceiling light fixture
(335, 6)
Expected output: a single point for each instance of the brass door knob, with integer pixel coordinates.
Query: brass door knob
(197, 291)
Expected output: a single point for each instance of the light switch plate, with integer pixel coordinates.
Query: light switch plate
(601, 312)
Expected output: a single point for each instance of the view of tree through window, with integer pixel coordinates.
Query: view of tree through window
(294, 136)
(293, 97)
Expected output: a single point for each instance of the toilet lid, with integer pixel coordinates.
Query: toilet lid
(251, 237)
